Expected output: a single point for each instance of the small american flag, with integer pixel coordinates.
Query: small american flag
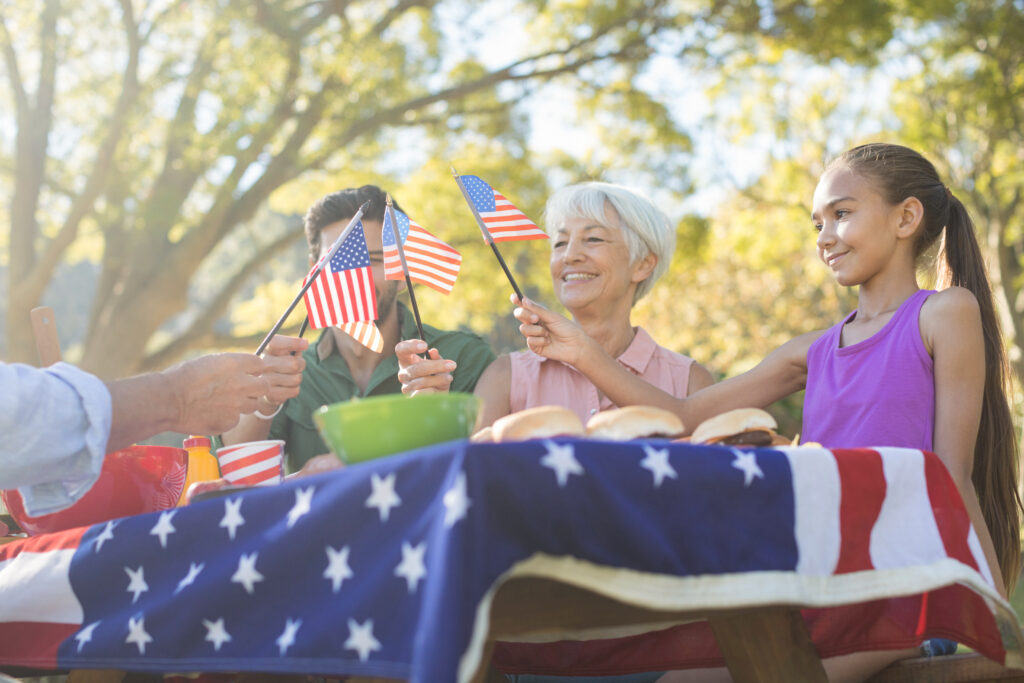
(503, 220)
(431, 261)
(343, 292)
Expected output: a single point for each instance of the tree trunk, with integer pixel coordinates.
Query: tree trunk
(144, 296)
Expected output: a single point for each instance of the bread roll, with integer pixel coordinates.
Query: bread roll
(747, 426)
(634, 422)
(537, 423)
(485, 435)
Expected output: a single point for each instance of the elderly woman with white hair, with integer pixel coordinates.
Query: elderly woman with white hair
(609, 245)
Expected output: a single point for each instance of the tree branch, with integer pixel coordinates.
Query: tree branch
(505, 74)
(329, 7)
(174, 183)
(48, 62)
(202, 325)
(33, 134)
(208, 226)
(83, 204)
(278, 171)
(155, 21)
(395, 12)
(14, 71)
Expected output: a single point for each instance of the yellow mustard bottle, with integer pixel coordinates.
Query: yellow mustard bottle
(202, 465)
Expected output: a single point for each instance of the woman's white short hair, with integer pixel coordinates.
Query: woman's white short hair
(646, 229)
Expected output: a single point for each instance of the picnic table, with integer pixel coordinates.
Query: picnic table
(550, 556)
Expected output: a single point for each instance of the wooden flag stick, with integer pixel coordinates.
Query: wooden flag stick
(487, 234)
(312, 278)
(405, 266)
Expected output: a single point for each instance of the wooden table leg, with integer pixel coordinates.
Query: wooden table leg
(766, 645)
(485, 673)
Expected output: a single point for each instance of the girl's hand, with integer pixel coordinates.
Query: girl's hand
(419, 375)
(549, 334)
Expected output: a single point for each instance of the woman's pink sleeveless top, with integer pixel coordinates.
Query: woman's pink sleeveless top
(537, 381)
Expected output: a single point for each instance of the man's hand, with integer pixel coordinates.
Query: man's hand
(420, 375)
(284, 366)
(212, 391)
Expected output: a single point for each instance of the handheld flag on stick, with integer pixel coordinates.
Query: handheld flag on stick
(423, 257)
(313, 276)
(390, 221)
(498, 218)
(343, 290)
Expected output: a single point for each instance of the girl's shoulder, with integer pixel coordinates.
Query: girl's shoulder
(950, 304)
(950, 308)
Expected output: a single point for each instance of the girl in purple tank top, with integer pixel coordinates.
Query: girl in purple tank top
(910, 367)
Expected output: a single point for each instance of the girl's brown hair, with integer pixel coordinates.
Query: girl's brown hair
(898, 173)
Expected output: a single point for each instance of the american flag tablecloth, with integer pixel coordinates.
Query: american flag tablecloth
(388, 568)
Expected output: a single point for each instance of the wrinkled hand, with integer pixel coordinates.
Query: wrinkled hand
(549, 334)
(419, 375)
(212, 391)
(284, 366)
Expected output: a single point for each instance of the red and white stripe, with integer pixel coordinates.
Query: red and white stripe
(507, 223)
(431, 262)
(336, 298)
(39, 609)
(256, 463)
(366, 333)
(852, 507)
(884, 524)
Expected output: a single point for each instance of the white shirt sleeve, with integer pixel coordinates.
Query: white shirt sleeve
(55, 424)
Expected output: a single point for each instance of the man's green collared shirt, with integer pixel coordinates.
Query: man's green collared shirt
(327, 379)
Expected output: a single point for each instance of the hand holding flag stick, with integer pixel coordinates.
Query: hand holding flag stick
(405, 265)
(312, 278)
(493, 211)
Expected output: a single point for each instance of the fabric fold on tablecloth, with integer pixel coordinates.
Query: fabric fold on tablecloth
(386, 568)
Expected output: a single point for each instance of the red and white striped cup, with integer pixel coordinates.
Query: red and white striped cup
(254, 463)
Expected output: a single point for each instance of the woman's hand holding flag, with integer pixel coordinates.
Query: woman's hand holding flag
(551, 335)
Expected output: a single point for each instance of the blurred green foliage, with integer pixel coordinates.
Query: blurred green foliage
(241, 114)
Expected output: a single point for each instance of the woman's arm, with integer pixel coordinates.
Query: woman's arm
(959, 371)
(700, 378)
(781, 373)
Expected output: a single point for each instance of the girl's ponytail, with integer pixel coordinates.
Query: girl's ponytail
(996, 452)
(899, 173)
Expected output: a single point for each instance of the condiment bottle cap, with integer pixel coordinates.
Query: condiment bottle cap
(195, 441)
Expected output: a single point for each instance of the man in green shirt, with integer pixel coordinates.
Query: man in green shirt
(337, 367)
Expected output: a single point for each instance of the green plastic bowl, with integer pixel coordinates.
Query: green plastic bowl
(368, 428)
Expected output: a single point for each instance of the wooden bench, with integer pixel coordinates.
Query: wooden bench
(963, 668)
